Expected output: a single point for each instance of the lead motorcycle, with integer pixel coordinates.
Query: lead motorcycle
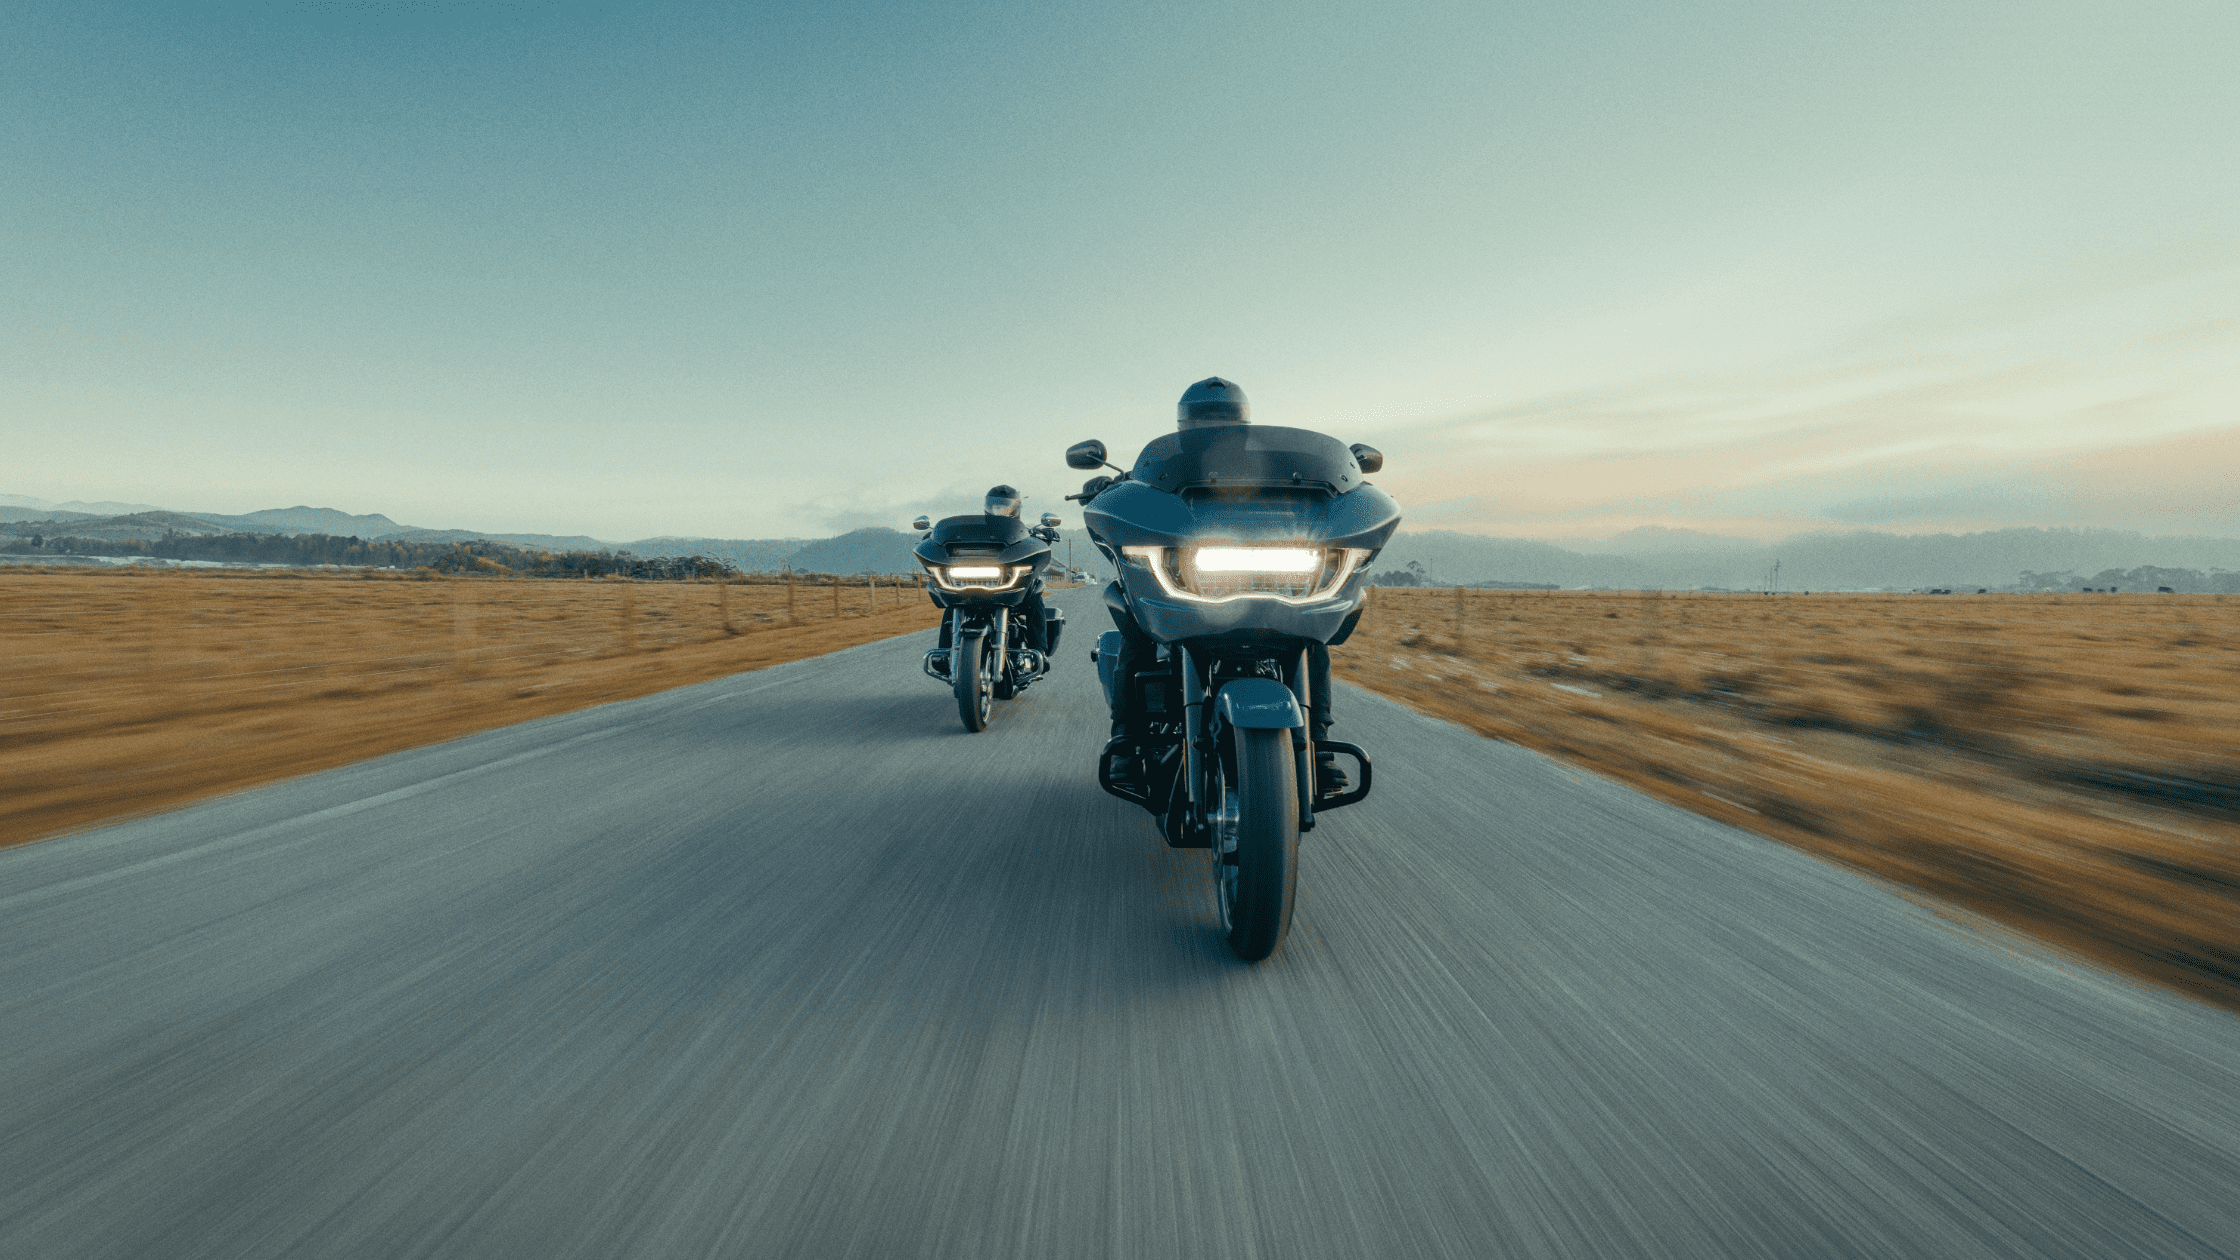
(980, 569)
(1238, 547)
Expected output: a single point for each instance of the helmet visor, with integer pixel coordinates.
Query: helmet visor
(1203, 415)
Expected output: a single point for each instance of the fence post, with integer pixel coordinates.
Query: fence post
(835, 597)
(151, 602)
(190, 628)
(1458, 613)
(458, 626)
(792, 618)
(1649, 632)
(723, 602)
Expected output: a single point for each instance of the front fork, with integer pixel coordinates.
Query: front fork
(1302, 740)
(955, 627)
(1200, 741)
(952, 629)
(1194, 722)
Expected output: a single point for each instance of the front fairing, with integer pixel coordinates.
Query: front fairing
(1026, 551)
(1134, 514)
(989, 539)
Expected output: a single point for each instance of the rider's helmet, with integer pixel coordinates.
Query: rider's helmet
(1210, 402)
(1003, 501)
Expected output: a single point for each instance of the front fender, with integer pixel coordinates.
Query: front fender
(1258, 704)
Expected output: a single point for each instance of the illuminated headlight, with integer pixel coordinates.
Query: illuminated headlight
(1216, 575)
(979, 577)
(1257, 560)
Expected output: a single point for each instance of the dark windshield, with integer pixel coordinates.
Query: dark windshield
(990, 531)
(1248, 456)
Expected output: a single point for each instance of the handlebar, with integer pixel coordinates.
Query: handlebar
(1095, 487)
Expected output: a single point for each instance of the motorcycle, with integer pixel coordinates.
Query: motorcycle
(1238, 548)
(980, 569)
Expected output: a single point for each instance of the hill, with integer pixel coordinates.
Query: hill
(1823, 561)
(753, 555)
(1453, 559)
(137, 525)
(10, 513)
(308, 520)
(72, 507)
(554, 542)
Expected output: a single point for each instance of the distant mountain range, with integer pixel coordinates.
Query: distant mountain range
(1828, 561)
(295, 520)
(12, 504)
(1642, 559)
(873, 550)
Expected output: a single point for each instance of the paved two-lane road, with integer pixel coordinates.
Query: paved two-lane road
(787, 964)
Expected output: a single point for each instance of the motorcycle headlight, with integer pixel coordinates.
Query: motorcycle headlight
(1257, 560)
(1216, 575)
(978, 576)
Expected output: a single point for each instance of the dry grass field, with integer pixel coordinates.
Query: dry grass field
(124, 690)
(2066, 764)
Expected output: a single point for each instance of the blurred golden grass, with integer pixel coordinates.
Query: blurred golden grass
(2065, 764)
(127, 690)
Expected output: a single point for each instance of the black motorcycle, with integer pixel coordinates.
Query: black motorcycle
(1239, 547)
(981, 569)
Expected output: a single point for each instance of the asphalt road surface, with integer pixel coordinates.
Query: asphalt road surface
(788, 964)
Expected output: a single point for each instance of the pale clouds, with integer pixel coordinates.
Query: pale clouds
(2115, 404)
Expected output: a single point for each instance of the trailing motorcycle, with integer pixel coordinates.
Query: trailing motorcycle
(1240, 548)
(987, 572)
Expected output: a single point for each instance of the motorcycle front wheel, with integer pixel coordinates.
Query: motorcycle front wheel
(1256, 850)
(969, 678)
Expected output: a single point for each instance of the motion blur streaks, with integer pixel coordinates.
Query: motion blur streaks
(807, 970)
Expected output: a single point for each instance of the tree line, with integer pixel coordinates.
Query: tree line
(1416, 575)
(2147, 578)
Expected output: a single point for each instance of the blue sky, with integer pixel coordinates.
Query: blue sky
(788, 269)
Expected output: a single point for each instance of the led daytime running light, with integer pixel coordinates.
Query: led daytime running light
(1264, 561)
(977, 578)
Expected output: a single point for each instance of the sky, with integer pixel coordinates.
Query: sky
(755, 270)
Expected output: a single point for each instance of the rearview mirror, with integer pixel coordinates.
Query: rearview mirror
(921, 523)
(1369, 457)
(1052, 520)
(1089, 454)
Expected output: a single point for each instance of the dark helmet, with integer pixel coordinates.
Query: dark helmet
(1212, 401)
(1004, 501)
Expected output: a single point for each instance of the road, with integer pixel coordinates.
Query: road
(787, 964)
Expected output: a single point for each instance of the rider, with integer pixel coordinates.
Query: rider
(1212, 401)
(1034, 630)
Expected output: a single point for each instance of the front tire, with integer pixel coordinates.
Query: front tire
(968, 677)
(1258, 881)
